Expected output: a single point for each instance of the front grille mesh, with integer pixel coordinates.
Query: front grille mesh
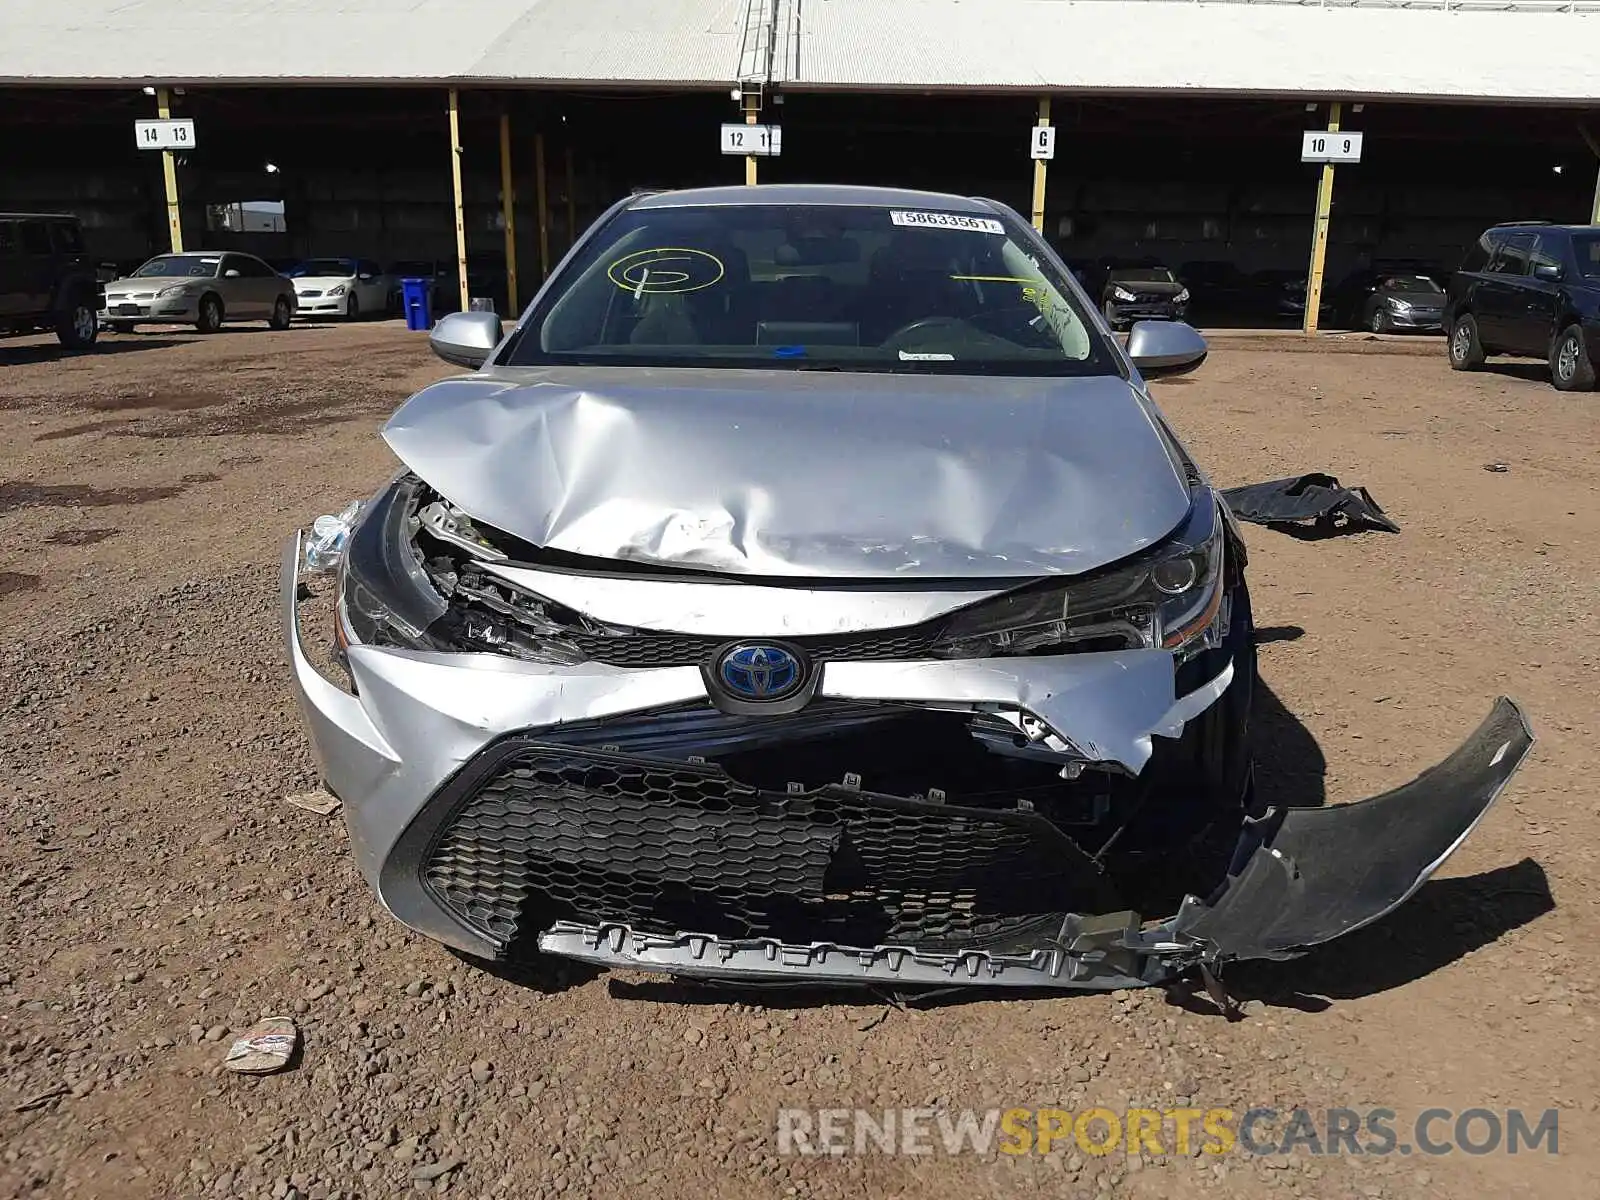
(665, 846)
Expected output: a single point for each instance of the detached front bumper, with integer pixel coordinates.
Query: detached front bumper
(481, 790)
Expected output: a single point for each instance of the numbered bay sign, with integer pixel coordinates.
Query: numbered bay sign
(1043, 144)
(174, 134)
(752, 139)
(1320, 146)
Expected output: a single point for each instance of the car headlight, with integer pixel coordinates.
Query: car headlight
(1123, 294)
(1169, 597)
(1182, 297)
(337, 290)
(177, 289)
(1400, 305)
(385, 597)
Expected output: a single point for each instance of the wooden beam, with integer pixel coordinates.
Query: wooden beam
(169, 173)
(1319, 232)
(544, 205)
(1039, 170)
(455, 178)
(508, 212)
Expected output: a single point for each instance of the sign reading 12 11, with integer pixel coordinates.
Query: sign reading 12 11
(174, 134)
(1324, 146)
(752, 139)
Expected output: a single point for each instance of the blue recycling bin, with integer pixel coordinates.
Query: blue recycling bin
(414, 296)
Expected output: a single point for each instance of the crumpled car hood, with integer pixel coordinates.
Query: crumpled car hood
(786, 473)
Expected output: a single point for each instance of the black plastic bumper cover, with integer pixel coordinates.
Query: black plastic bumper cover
(1319, 873)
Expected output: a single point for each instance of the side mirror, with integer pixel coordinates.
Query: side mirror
(1165, 348)
(465, 338)
(230, 273)
(1549, 272)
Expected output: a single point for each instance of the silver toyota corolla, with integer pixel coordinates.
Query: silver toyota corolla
(806, 588)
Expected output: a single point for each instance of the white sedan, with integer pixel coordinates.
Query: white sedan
(341, 287)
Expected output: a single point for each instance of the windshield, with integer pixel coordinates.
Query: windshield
(341, 267)
(813, 287)
(1409, 283)
(1142, 275)
(189, 265)
(1587, 248)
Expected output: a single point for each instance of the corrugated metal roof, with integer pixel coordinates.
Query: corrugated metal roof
(1356, 48)
(351, 41)
(1138, 45)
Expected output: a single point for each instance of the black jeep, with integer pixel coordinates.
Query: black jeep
(1532, 289)
(47, 281)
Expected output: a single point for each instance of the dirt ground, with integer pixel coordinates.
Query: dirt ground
(156, 893)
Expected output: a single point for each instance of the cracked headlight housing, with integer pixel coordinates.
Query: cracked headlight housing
(385, 597)
(1170, 597)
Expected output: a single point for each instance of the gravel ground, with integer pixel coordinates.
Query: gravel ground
(159, 895)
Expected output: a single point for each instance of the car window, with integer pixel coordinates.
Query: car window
(254, 268)
(1511, 257)
(35, 238)
(1408, 283)
(846, 287)
(1547, 251)
(1586, 248)
(367, 267)
(194, 266)
(67, 237)
(340, 268)
(1478, 257)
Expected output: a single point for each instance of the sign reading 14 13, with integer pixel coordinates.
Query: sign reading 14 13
(752, 139)
(1323, 146)
(173, 134)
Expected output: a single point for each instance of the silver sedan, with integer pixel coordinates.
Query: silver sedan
(808, 589)
(199, 288)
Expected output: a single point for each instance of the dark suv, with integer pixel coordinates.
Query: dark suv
(46, 279)
(1530, 289)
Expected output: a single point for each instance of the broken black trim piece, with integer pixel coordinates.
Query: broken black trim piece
(1320, 499)
(1320, 873)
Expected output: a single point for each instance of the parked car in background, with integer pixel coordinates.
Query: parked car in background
(441, 277)
(47, 281)
(1142, 293)
(1385, 302)
(343, 287)
(1531, 290)
(200, 288)
(1216, 287)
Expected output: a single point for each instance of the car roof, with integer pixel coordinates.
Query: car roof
(814, 193)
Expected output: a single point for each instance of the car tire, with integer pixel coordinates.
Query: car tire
(352, 308)
(1378, 322)
(282, 314)
(1570, 367)
(210, 313)
(78, 325)
(1464, 348)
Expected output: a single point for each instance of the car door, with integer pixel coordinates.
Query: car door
(1541, 293)
(13, 272)
(372, 286)
(240, 297)
(1501, 305)
(36, 272)
(266, 284)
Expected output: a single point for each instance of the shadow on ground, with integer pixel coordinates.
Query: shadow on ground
(17, 356)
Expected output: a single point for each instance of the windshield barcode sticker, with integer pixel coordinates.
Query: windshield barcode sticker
(937, 220)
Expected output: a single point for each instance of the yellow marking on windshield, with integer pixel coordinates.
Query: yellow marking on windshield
(666, 270)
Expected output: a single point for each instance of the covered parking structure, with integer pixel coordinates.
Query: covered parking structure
(1178, 123)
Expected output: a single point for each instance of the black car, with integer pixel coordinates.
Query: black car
(1531, 290)
(47, 281)
(1142, 293)
(1386, 302)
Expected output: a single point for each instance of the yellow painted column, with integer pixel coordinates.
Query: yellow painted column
(455, 178)
(169, 172)
(1040, 170)
(508, 211)
(1319, 232)
(544, 205)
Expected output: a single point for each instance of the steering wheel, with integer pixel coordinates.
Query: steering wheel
(924, 324)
